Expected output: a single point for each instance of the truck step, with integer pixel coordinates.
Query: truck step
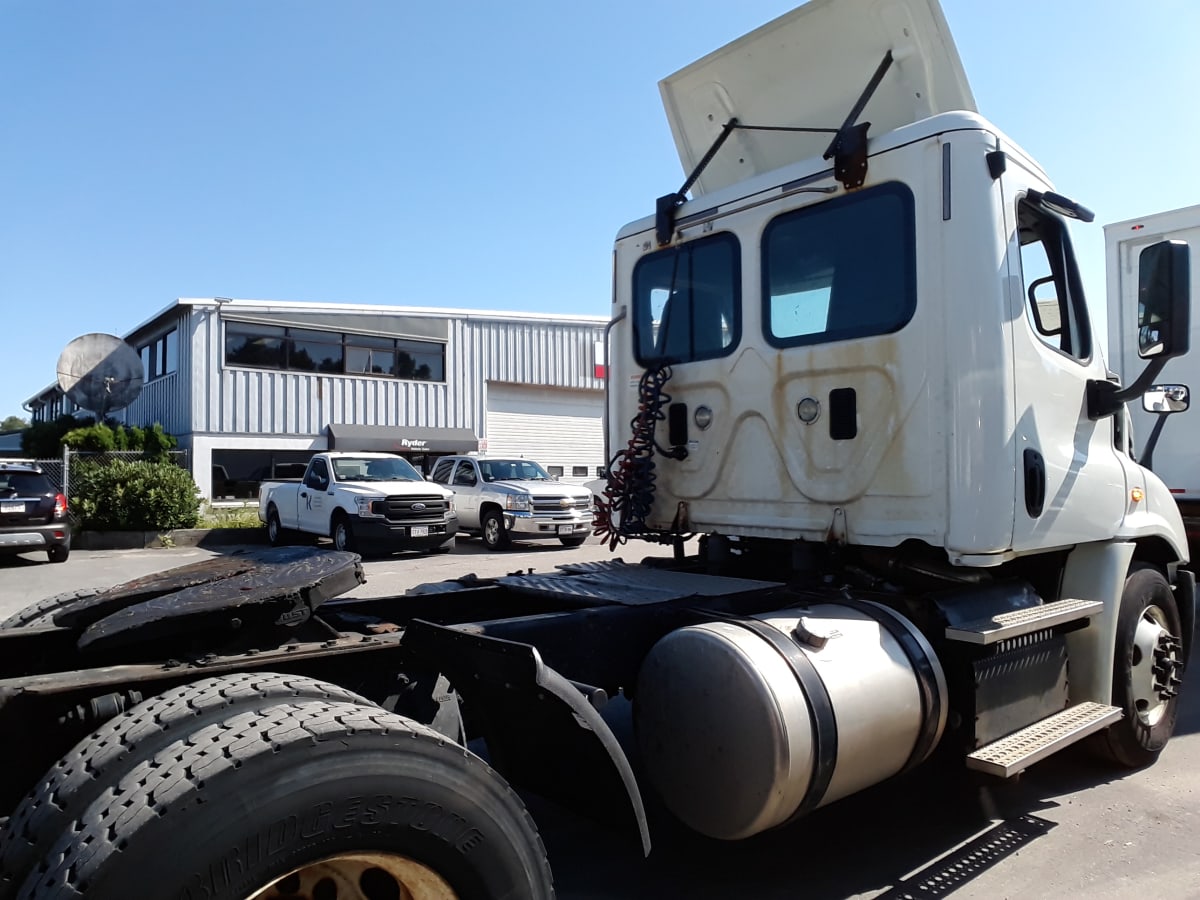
(1021, 749)
(1022, 621)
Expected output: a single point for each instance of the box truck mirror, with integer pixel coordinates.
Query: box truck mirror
(1163, 301)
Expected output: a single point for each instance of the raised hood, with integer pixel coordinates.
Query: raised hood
(808, 68)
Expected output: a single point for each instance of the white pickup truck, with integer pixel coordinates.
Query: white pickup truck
(361, 499)
(502, 499)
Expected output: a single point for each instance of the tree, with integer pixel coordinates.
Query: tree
(13, 423)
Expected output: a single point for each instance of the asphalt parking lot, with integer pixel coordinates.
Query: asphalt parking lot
(1068, 827)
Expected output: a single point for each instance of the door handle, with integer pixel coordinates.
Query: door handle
(304, 493)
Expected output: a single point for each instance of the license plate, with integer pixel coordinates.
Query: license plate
(419, 531)
(10, 506)
(565, 529)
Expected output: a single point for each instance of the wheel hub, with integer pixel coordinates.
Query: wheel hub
(359, 876)
(1156, 665)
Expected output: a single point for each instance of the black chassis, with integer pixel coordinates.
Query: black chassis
(527, 670)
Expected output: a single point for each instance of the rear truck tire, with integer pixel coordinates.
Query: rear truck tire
(1146, 673)
(572, 541)
(342, 532)
(58, 553)
(494, 534)
(41, 614)
(121, 743)
(275, 531)
(308, 799)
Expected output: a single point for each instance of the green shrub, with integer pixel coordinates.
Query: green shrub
(43, 440)
(133, 496)
(95, 438)
(156, 442)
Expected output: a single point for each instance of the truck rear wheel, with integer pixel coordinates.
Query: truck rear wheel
(495, 535)
(349, 800)
(41, 614)
(1146, 673)
(122, 742)
(275, 530)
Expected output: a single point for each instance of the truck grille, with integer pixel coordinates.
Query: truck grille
(415, 509)
(558, 505)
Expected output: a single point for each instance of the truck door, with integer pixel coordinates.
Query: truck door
(466, 491)
(313, 509)
(1070, 487)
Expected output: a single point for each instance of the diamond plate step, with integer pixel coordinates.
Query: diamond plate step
(1023, 621)
(1021, 749)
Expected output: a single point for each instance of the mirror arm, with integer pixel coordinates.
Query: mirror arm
(1104, 398)
(1146, 460)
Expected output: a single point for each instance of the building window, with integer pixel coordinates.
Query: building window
(579, 471)
(556, 471)
(306, 350)
(160, 356)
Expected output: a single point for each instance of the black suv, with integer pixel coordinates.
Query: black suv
(33, 513)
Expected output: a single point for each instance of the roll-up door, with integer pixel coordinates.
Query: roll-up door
(561, 429)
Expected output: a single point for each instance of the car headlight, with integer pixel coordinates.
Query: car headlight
(365, 507)
(517, 501)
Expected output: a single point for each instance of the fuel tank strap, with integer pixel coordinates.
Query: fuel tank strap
(820, 710)
(931, 697)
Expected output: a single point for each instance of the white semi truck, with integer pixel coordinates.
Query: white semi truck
(857, 364)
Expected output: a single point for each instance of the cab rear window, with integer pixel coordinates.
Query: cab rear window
(841, 269)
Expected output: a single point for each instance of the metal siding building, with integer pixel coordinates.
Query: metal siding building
(228, 414)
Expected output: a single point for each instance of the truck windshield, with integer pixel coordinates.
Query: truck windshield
(512, 470)
(373, 468)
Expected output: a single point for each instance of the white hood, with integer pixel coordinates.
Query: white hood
(808, 68)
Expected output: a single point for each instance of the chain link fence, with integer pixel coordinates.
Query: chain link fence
(59, 470)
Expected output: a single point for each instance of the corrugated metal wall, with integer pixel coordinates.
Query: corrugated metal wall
(253, 401)
(165, 399)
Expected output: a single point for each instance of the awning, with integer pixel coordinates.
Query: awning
(401, 439)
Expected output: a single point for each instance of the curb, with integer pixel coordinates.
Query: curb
(182, 537)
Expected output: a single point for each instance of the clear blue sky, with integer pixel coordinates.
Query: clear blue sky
(467, 155)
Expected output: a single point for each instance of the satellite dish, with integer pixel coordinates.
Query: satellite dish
(100, 373)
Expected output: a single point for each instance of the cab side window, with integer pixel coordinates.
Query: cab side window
(466, 475)
(1054, 303)
(318, 475)
(441, 472)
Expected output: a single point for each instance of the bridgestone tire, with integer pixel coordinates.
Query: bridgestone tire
(1132, 742)
(41, 614)
(106, 756)
(238, 804)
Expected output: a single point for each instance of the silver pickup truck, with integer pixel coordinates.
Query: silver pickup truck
(507, 499)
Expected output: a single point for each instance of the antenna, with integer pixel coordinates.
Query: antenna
(100, 373)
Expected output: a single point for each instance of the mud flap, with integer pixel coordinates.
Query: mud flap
(1185, 602)
(542, 732)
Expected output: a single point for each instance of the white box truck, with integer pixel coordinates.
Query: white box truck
(1171, 448)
